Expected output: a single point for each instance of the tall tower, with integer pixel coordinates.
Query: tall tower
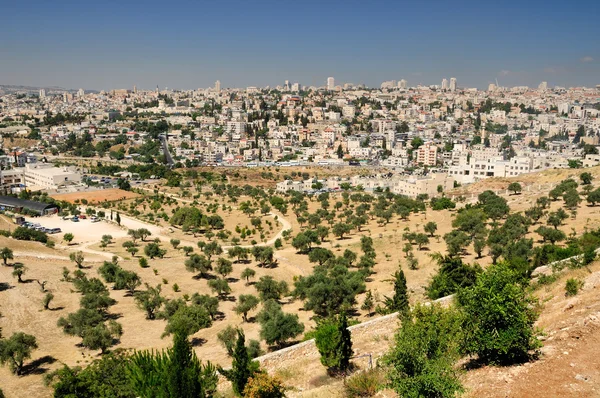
(402, 84)
(543, 86)
(444, 84)
(452, 84)
(330, 83)
(218, 86)
(42, 93)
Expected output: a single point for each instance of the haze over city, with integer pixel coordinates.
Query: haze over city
(187, 45)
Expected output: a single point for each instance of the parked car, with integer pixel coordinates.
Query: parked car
(94, 219)
(53, 230)
(75, 219)
(82, 216)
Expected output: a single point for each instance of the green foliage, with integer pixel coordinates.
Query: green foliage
(187, 320)
(452, 276)
(245, 304)
(22, 233)
(149, 300)
(153, 250)
(399, 302)
(489, 332)
(329, 290)
(276, 327)
(176, 372)
(442, 203)
(242, 366)
(105, 377)
(422, 361)
(572, 286)
(15, 350)
(270, 289)
(334, 343)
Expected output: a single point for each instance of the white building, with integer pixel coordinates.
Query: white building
(444, 84)
(218, 86)
(330, 83)
(402, 84)
(46, 176)
(452, 84)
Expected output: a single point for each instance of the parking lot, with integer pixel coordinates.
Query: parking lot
(83, 230)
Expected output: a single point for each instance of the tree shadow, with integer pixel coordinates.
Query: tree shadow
(28, 280)
(219, 316)
(204, 276)
(5, 286)
(56, 308)
(36, 367)
(232, 280)
(198, 341)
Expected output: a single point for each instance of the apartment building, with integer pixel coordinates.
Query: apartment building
(427, 154)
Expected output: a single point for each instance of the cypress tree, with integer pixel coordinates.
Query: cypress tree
(182, 380)
(400, 300)
(344, 348)
(242, 367)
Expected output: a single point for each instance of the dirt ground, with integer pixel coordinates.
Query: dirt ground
(96, 196)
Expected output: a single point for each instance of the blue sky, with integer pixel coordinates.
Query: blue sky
(190, 44)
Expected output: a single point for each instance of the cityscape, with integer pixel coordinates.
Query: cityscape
(319, 199)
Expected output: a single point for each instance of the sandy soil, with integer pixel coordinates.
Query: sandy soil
(96, 196)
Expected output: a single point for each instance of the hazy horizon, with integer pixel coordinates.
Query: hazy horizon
(188, 45)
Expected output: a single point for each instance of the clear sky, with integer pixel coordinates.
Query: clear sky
(189, 44)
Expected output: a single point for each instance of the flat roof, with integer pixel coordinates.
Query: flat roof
(11, 201)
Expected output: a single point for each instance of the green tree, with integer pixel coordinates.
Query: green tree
(149, 300)
(68, 237)
(270, 289)
(248, 273)
(515, 187)
(276, 327)
(176, 372)
(430, 228)
(452, 276)
(77, 258)
(198, 263)
(47, 299)
(242, 366)
(153, 250)
(220, 287)
(224, 267)
(18, 271)
(334, 343)
(245, 304)
(7, 254)
(15, 350)
(488, 332)
(586, 178)
(422, 360)
(399, 302)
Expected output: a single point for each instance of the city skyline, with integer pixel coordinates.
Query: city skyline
(189, 45)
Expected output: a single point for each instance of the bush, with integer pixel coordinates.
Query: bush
(422, 361)
(572, 286)
(22, 233)
(364, 384)
(261, 385)
(489, 332)
(333, 341)
(453, 275)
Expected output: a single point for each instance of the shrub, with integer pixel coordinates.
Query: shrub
(261, 385)
(572, 286)
(421, 362)
(364, 384)
(22, 233)
(489, 332)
